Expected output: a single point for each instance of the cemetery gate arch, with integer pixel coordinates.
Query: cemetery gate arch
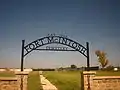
(57, 39)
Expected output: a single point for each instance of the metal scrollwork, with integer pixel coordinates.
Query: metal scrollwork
(54, 39)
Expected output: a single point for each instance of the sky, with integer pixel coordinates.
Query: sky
(93, 21)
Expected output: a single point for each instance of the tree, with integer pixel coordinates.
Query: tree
(73, 66)
(102, 58)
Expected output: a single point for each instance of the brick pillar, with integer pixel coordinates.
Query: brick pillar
(22, 79)
(88, 79)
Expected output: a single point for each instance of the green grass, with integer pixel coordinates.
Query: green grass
(71, 80)
(64, 80)
(7, 74)
(34, 81)
(107, 73)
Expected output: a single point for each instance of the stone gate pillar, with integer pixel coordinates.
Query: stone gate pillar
(88, 79)
(22, 80)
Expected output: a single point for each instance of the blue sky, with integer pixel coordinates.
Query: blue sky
(93, 21)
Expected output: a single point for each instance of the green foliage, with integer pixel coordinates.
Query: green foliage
(73, 66)
(34, 81)
(102, 58)
(42, 69)
(64, 80)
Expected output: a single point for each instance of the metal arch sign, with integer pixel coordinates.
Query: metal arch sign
(57, 39)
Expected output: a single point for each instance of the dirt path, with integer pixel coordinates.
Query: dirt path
(46, 84)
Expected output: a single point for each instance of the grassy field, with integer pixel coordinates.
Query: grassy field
(71, 80)
(64, 80)
(108, 73)
(34, 81)
(7, 74)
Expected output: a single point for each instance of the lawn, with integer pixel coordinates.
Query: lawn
(34, 81)
(71, 80)
(7, 74)
(64, 80)
(108, 73)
